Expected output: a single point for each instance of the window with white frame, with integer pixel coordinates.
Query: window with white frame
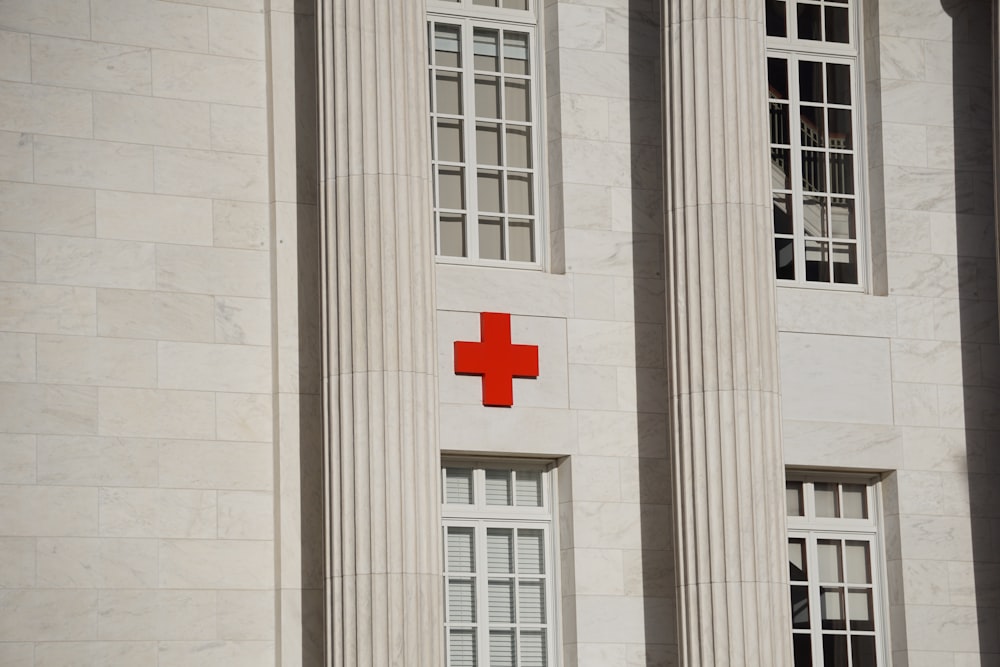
(483, 68)
(498, 574)
(815, 140)
(835, 567)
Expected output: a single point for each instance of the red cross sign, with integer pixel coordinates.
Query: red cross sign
(496, 359)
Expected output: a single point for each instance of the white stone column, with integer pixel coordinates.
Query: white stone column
(728, 475)
(384, 562)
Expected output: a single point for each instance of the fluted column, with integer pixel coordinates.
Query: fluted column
(728, 476)
(383, 578)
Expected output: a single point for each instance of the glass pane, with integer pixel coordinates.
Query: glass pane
(826, 500)
(531, 601)
(855, 500)
(859, 608)
(811, 122)
(841, 135)
(521, 235)
(487, 97)
(834, 651)
(519, 147)
(845, 263)
(809, 22)
(501, 601)
(842, 226)
(863, 651)
(533, 651)
(491, 247)
(448, 93)
(832, 608)
(802, 650)
(458, 486)
(838, 84)
(502, 648)
(810, 81)
(452, 231)
(449, 140)
(784, 259)
(497, 481)
(461, 601)
(519, 199)
(858, 562)
(488, 187)
(793, 490)
(461, 557)
(828, 555)
(500, 550)
(485, 49)
(451, 187)
(817, 262)
(462, 648)
(777, 78)
(530, 551)
(781, 169)
(783, 218)
(837, 25)
(797, 559)
(813, 171)
(842, 173)
(779, 123)
(488, 143)
(528, 488)
(515, 52)
(446, 46)
(518, 100)
(800, 607)
(486, 3)
(814, 216)
(515, 4)
(776, 21)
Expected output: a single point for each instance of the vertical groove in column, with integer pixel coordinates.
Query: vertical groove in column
(380, 416)
(725, 432)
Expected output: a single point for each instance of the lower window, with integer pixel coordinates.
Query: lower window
(833, 557)
(498, 577)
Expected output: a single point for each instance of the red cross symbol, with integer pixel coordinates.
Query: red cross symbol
(496, 359)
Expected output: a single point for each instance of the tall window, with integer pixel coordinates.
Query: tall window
(498, 566)
(834, 565)
(484, 121)
(812, 76)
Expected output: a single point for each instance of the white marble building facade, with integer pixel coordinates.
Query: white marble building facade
(227, 375)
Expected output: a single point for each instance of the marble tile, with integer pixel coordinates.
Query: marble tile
(94, 262)
(96, 361)
(216, 465)
(596, 478)
(606, 525)
(161, 615)
(239, 129)
(40, 615)
(209, 654)
(648, 573)
(613, 253)
(594, 297)
(93, 164)
(586, 206)
(598, 343)
(165, 25)
(74, 562)
(159, 315)
(240, 225)
(594, 73)
(244, 417)
(606, 618)
(580, 27)
(216, 564)
(638, 211)
(152, 120)
(43, 408)
(917, 103)
(913, 274)
(245, 615)
(593, 387)
(583, 117)
(915, 404)
(916, 20)
(901, 58)
(46, 110)
(204, 78)
(214, 367)
(925, 189)
(933, 493)
(153, 413)
(95, 461)
(242, 321)
(867, 446)
(96, 654)
(47, 309)
(637, 122)
(18, 556)
(67, 18)
(90, 65)
(17, 451)
(598, 572)
(244, 5)
(236, 33)
(645, 480)
(17, 654)
(16, 155)
(940, 538)
(936, 362)
(640, 300)
(43, 209)
(915, 316)
(478, 289)
(246, 515)
(48, 511)
(905, 145)
(17, 355)
(622, 434)
(536, 431)
(218, 271)
(155, 218)
(942, 628)
(127, 512)
(211, 174)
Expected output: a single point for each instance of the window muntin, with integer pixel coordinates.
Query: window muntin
(498, 577)
(835, 591)
(812, 69)
(484, 125)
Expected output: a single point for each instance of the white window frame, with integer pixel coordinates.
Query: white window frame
(470, 17)
(479, 516)
(811, 528)
(851, 54)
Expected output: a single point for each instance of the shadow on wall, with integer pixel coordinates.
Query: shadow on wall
(971, 74)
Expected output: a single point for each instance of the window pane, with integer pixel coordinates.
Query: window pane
(859, 607)
(486, 3)
(802, 649)
(811, 122)
(828, 555)
(779, 123)
(533, 651)
(781, 169)
(855, 501)
(519, 147)
(461, 601)
(515, 52)
(521, 235)
(814, 216)
(784, 259)
(782, 216)
(863, 651)
(485, 48)
(502, 648)
(519, 199)
(446, 46)
(488, 143)
(448, 93)
(501, 601)
(837, 25)
(528, 488)
(777, 78)
(487, 97)
(800, 607)
(497, 484)
(458, 486)
(451, 187)
(842, 225)
(515, 4)
(842, 173)
(841, 135)
(452, 235)
(797, 559)
(845, 263)
(817, 262)
(838, 84)
(500, 550)
(832, 608)
(461, 557)
(462, 648)
(809, 21)
(488, 187)
(516, 91)
(858, 562)
(793, 494)
(810, 81)
(826, 500)
(449, 140)
(491, 247)
(813, 171)
(834, 650)
(530, 551)
(531, 601)
(776, 21)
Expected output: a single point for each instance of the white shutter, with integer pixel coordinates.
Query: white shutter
(501, 599)
(502, 648)
(461, 601)
(460, 552)
(530, 551)
(500, 550)
(498, 487)
(458, 486)
(533, 651)
(528, 489)
(531, 602)
(462, 648)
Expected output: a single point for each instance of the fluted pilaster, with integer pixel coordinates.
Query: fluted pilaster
(384, 562)
(725, 432)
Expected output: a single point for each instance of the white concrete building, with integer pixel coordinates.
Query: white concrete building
(252, 412)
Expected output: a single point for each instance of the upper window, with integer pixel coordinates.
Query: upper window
(833, 557)
(814, 100)
(484, 122)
